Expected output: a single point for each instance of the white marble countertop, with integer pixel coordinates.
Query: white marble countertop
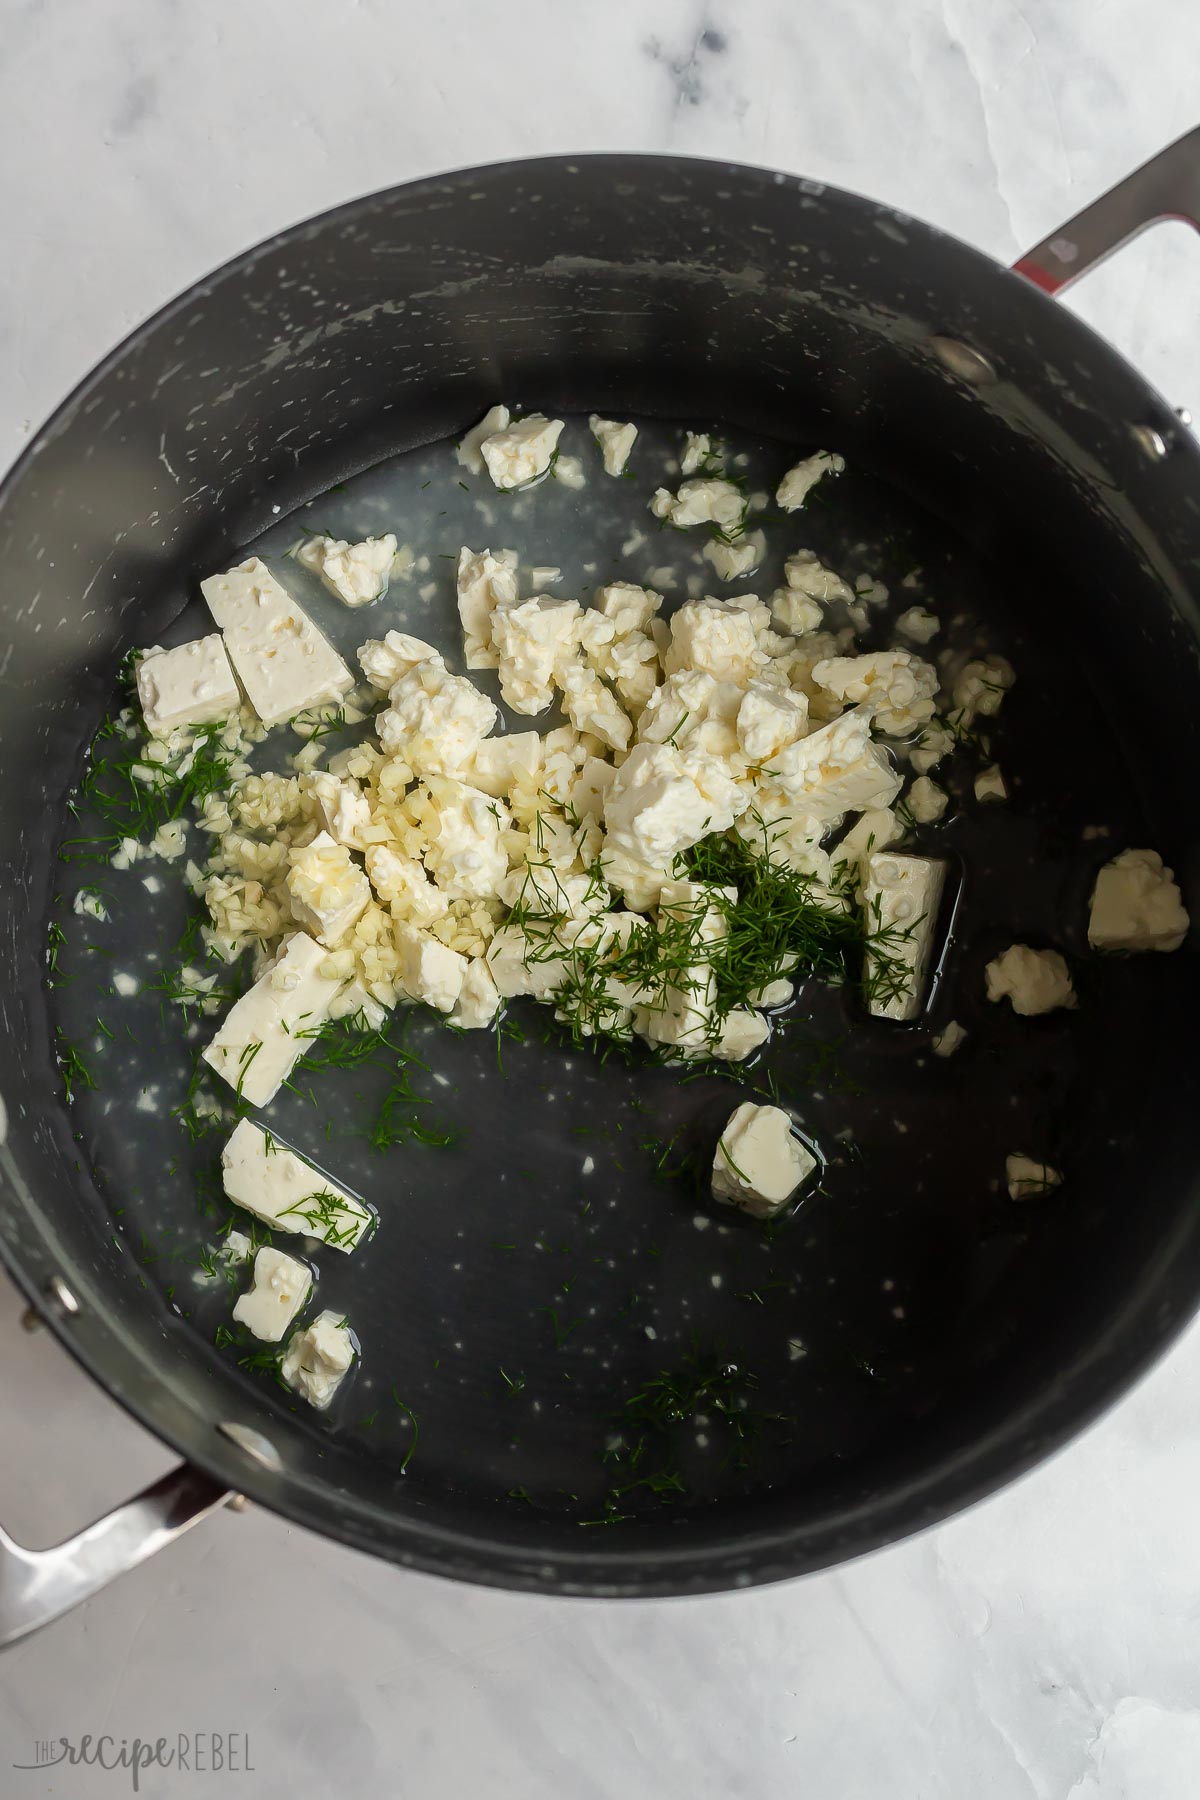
(1043, 1645)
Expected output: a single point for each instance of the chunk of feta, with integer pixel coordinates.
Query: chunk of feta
(1136, 905)
(926, 801)
(759, 1161)
(795, 613)
(281, 1285)
(806, 574)
(500, 762)
(681, 1014)
(901, 896)
(1027, 1179)
(693, 709)
(616, 440)
(265, 1033)
(327, 890)
(521, 453)
(836, 770)
(385, 660)
(357, 573)
(873, 830)
(661, 802)
(265, 1178)
(494, 420)
(769, 719)
(629, 608)
(716, 637)
(743, 1032)
(801, 479)
(949, 1039)
(486, 582)
(740, 557)
(1036, 981)
(534, 642)
(318, 1359)
(344, 809)
(706, 502)
(568, 470)
(435, 721)
(465, 855)
(990, 785)
(284, 663)
(478, 999)
(190, 685)
(403, 886)
(593, 708)
(430, 972)
(895, 685)
(697, 450)
(919, 624)
(980, 689)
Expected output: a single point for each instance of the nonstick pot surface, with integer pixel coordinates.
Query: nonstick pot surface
(910, 1326)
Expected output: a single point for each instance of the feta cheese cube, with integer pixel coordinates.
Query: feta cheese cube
(265, 1178)
(949, 1039)
(759, 1161)
(918, 624)
(714, 636)
(1027, 1179)
(705, 502)
(357, 573)
(1036, 981)
(265, 1033)
(384, 660)
(532, 962)
(327, 890)
(1136, 905)
(317, 1359)
(281, 1285)
(344, 809)
(799, 481)
(521, 453)
(990, 785)
(435, 721)
(616, 440)
(190, 685)
(534, 642)
(875, 829)
(682, 1014)
(901, 897)
(732, 560)
(743, 1032)
(897, 688)
(836, 770)
(500, 762)
(429, 972)
(478, 999)
(926, 801)
(628, 608)
(284, 663)
(485, 583)
(468, 451)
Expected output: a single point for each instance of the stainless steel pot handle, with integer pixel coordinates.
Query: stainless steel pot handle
(1166, 187)
(37, 1586)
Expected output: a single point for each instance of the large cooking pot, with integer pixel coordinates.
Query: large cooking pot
(683, 289)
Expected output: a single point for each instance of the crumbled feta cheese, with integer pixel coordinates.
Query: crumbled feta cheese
(707, 502)
(543, 576)
(354, 1002)
(682, 1013)
(478, 999)
(403, 886)
(615, 440)
(1036, 981)
(317, 1359)
(774, 995)
(769, 719)
(873, 830)
(759, 1161)
(280, 1288)
(799, 481)
(500, 762)
(795, 612)
(1027, 1179)
(896, 686)
(934, 744)
(697, 450)
(486, 583)
(1136, 905)
(740, 557)
(657, 805)
(743, 1032)
(980, 689)
(806, 574)
(468, 451)
(918, 624)
(465, 855)
(629, 608)
(126, 985)
(990, 785)
(385, 660)
(901, 898)
(357, 573)
(343, 808)
(836, 770)
(521, 453)
(429, 971)
(265, 1032)
(265, 1178)
(593, 708)
(949, 1039)
(327, 890)
(534, 642)
(926, 801)
(435, 721)
(569, 471)
(714, 636)
(190, 685)
(284, 663)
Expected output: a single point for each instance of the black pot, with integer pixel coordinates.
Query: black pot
(615, 284)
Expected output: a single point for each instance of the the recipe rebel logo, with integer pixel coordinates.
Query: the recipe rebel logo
(187, 1753)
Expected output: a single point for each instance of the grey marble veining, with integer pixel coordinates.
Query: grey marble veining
(1042, 1647)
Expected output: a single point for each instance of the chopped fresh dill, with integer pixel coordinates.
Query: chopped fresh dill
(411, 1416)
(75, 1072)
(134, 793)
(332, 1217)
